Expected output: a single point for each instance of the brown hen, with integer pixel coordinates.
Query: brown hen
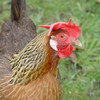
(16, 32)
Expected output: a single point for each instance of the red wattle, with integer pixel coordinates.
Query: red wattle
(65, 52)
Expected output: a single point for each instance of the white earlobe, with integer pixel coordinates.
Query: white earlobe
(53, 44)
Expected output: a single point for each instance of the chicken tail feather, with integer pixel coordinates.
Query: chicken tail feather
(18, 10)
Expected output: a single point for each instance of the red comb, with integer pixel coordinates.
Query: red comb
(73, 30)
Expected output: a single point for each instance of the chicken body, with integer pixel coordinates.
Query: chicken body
(35, 73)
(46, 87)
(16, 32)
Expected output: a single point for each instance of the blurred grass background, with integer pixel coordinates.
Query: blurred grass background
(80, 81)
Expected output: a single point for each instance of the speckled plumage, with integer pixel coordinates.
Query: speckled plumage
(30, 62)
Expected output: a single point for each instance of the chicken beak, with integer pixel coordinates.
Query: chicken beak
(77, 43)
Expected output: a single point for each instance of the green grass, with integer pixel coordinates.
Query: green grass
(80, 81)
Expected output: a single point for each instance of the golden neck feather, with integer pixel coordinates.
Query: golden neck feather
(34, 60)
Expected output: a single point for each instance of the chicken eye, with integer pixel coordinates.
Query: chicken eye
(61, 36)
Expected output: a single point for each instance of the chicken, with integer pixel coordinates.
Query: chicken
(35, 74)
(16, 32)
